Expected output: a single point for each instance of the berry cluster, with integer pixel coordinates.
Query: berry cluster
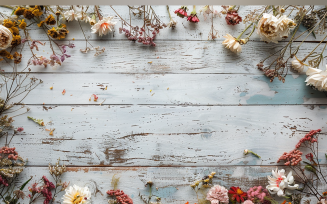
(12, 154)
(3, 181)
(121, 197)
(308, 138)
(292, 158)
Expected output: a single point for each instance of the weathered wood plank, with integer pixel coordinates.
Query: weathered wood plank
(184, 30)
(166, 135)
(172, 183)
(167, 57)
(189, 89)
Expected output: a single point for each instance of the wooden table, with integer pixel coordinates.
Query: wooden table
(171, 113)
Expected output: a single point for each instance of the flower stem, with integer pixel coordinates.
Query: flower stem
(244, 31)
(194, 9)
(168, 12)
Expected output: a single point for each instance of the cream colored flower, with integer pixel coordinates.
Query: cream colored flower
(72, 15)
(77, 195)
(172, 24)
(317, 78)
(297, 65)
(5, 37)
(279, 183)
(104, 26)
(273, 29)
(232, 44)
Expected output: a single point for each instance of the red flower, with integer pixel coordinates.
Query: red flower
(237, 194)
(181, 12)
(193, 18)
(232, 18)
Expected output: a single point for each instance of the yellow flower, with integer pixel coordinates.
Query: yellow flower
(37, 12)
(14, 30)
(5, 53)
(16, 40)
(22, 24)
(53, 33)
(19, 11)
(40, 24)
(28, 13)
(8, 23)
(50, 20)
(207, 180)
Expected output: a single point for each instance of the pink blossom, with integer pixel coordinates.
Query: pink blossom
(193, 18)
(218, 194)
(181, 12)
(232, 18)
(257, 194)
(20, 129)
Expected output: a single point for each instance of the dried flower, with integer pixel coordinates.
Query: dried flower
(121, 197)
(28, 14)
(71, 15)
(19, 11)
(104, 26)
(20, 129)
(182, 11)
(246, 151)
(16, 40)
(232, 17)
(297, 65)
(217, 194)
(292, 158)
(232, 44)
(77, 195)
(5, 37)
(22, 24)
(279, 182)
(236, 194)
(172, 24)
(38, 121)
(273, 29)
(50, 20)
(317, 78)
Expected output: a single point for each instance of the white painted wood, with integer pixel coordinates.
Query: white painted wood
(181, 89)
(167, 57)
(172, 183)
(166, 135)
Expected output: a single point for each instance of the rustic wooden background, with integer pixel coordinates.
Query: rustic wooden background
(206, 106)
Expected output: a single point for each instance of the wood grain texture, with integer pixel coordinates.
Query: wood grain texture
(172, 183)
(166, 135)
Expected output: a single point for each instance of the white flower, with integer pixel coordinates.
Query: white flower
(77, 195)
(273, 29)
(83, 17)
(104, 26)
(172, 24)
(297, 65)
(5, 37)
(232, 44)
(279, 182)
(317, 78)
(72, 14)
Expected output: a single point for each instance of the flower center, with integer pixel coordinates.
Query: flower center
(106, 25)
(279, 179)
(239, 191)
(77, 199)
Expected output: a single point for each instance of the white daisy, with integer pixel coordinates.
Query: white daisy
(77, 195)
(104, 26)
(72, 15)
(231, 44)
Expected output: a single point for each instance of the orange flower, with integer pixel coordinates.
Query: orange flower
(63, 92)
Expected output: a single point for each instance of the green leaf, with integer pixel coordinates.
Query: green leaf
(24, 184)
(326, 156)
(308, 164)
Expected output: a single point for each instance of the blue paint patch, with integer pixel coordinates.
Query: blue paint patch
(322, 107)
(293, 91)
(242, 94)
(161, 192)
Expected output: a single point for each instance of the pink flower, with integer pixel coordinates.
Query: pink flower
(181, 12)
(20, 129)
(257, 194)
(218, 194)
(193, 18)
(232, 18)
(248, 202)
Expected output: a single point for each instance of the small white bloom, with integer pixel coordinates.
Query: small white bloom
(172, 24)
(273, 29)
(5, 37)
(317, 78)
(278, 183)
(104, 26)
(77, 195)
(232, 44)
(297, 65)
(72, 14)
